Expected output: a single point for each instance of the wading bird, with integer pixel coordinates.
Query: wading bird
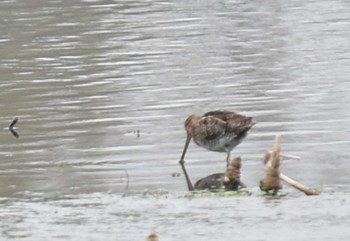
(219, 131)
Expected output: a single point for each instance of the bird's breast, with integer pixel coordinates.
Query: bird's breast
(220, 144)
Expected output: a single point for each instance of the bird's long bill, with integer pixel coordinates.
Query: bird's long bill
(182, 163)
(185, 148)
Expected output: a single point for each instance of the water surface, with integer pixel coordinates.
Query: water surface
(84, 77)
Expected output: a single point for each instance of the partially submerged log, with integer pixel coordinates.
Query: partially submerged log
(229, 181)
(271, 182)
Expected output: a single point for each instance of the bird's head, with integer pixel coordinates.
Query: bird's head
(191, 123)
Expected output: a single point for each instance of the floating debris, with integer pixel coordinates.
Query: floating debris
(175, 174)
(136, 133)
(152, 237)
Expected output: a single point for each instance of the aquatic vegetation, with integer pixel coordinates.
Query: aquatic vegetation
(218, 193)
(157, 193)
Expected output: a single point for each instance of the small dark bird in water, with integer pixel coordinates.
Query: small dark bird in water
(218, 131)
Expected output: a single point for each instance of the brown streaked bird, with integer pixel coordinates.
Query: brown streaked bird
(218, 131)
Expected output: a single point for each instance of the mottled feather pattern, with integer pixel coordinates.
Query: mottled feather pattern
(218, 130)
(235, 123)
(210, 128)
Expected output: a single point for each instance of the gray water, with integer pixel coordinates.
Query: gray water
(102, 88)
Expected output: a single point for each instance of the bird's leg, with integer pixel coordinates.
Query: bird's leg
(228, 157)
(182, 163)
(241, 185)
(188, 180)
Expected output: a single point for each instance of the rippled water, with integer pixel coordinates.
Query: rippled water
(102, 88)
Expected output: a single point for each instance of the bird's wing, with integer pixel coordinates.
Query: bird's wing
(240, 124)
(210, 127)
(235, 123)
(221, 114)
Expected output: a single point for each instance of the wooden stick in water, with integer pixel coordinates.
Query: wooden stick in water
(274, 155)
(298, 185)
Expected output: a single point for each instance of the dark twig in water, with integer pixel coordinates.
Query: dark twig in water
(127, 181)
(13, 123)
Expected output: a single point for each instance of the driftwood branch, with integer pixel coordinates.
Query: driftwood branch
(298, 185)
(273, 175)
